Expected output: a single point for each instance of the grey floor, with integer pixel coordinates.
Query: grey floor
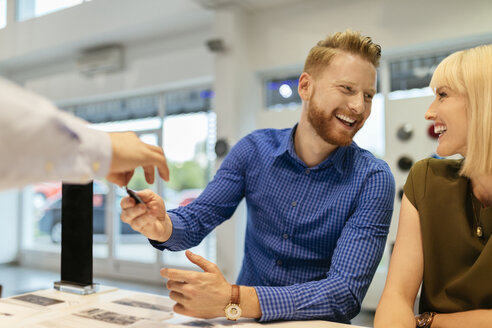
(18, 280)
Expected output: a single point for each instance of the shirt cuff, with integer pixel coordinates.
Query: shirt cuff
(93, 152)
(100, 159)
(276, 303)
(177, 236)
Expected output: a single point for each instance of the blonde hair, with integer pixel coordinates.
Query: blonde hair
(350, 41)
(469, 72)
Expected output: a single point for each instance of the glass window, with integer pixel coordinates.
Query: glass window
(27, 9)
(188, 101)
(41, 212)
(190, 163)
(282, 93)
(42, 216)
(189, 132)
(129, 244)
(414, 73)
(127, 109)
(3, 13)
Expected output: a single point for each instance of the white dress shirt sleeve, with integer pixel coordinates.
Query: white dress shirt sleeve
(39, 142)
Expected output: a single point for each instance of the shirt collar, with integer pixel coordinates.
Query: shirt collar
(286, 143)
(336, 158)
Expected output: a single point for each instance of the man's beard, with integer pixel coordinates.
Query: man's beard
(324, 125)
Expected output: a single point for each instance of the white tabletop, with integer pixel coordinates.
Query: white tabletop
(112, 307)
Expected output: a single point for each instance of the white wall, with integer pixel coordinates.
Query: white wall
(283, 36)
(156, 65)
(94, 23)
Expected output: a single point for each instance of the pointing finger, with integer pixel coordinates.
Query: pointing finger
(204, 264)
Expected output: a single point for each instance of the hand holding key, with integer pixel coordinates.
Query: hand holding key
(134, 195)
(149, 217)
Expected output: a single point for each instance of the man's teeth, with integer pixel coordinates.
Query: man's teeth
(347, 120)
(440, 129)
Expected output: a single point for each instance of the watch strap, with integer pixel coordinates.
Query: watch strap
(235, 299)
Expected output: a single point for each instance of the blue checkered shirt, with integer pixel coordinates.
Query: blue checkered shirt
(314, 236)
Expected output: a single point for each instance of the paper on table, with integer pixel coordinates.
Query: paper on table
(120, 312)
(10, 314)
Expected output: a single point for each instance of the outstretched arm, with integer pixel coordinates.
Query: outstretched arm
(475, 319)
(217, 203)
(149, 218)
(405, 273)
(128, 153)
(42, 143)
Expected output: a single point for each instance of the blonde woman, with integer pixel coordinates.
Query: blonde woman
(443, 238)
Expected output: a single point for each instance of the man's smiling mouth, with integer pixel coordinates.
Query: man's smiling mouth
(346, 120)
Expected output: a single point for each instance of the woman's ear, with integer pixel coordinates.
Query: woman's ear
(305, 86)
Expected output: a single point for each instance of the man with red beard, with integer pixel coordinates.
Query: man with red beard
(319, 207)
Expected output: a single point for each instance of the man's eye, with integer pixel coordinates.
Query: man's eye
(368, 96)
(347, 88)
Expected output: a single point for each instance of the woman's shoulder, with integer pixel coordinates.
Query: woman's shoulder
(437, 167)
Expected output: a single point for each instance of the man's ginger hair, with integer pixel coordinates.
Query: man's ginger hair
(353, 42)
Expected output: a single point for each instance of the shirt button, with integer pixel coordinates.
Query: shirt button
(48, 167)
(285, 236)
(294, 204)
(307, 171)
(96, 166)
(279, 262)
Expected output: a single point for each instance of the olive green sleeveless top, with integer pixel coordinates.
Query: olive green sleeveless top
(457, 263)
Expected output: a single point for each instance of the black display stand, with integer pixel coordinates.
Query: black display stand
(76, 243)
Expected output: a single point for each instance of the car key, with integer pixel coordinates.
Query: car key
(134, 195)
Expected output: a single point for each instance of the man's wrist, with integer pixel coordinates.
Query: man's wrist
(168, 228)
(167, 231)
(249, 303)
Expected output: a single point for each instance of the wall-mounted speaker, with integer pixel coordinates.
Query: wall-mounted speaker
(216, 45)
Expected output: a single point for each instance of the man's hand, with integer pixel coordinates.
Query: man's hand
(129, 152)
(150, 218)
(198, 294)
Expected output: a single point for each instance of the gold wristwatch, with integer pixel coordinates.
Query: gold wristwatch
(233, 310)
(425, 319)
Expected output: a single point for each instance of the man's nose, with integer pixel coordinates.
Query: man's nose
(356, 103)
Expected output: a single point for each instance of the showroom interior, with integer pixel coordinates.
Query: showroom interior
(190, 75)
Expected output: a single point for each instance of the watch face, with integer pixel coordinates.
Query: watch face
(233, 311)
(423, 319)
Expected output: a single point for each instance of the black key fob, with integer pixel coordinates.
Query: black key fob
(134, 195)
